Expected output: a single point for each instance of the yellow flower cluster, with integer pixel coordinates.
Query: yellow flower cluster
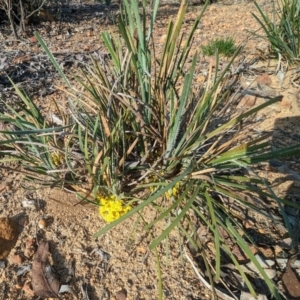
(173, 191)
(57, 158)
(112, 208)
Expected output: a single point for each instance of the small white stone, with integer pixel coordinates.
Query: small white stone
(248, 296)
(271, 273)
(264, 263)
(29, 203)
(282, 262)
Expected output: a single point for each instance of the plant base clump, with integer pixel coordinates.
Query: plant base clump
(282, 29)
(224, 47)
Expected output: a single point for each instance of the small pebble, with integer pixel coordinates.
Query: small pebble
(121, 295)
(282, 262)
(16, 259)
(265, 263)
(286, 243)
(248, 296)
(42, 223)
(271, 273)
(141, 249)
(29, 203)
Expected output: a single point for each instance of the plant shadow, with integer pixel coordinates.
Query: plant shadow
(287, 133)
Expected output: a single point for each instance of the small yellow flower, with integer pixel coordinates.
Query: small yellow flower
(57, 158)
(112, 208)
(174, 191)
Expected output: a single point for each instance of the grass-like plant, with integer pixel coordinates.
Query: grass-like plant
(283, 29)
(224, 46)
(141, 133)
(38, 144)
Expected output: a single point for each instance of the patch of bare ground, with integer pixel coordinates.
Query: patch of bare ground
(118, 265)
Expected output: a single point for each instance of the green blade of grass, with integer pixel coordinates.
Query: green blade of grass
(175, 222)
(53, 60)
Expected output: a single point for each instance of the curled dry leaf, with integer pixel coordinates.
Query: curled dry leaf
(291, 282)
(27, 289)
(44, 281)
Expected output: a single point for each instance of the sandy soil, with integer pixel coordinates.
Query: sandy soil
(118, 265)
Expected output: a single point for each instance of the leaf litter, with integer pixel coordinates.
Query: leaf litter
(45, 282)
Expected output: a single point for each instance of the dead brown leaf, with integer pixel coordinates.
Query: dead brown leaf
(291, 282)
(44, 281)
